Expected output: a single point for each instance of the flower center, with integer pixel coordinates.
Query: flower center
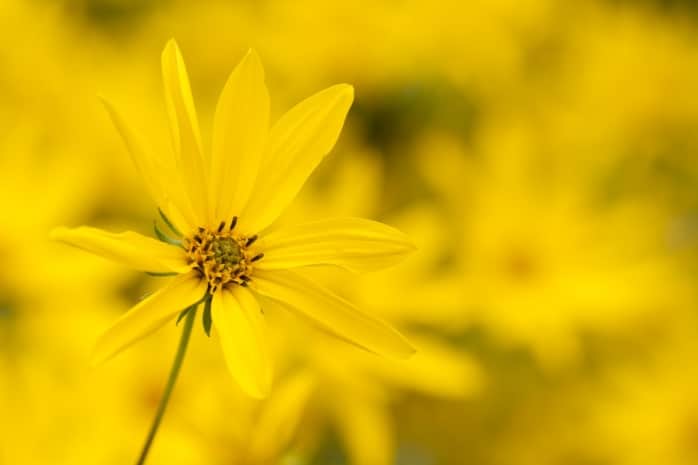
(222, 257)
(226, 251)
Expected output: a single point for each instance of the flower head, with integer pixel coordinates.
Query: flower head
(220, 208)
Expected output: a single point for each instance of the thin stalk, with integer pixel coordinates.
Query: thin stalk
(174, 372)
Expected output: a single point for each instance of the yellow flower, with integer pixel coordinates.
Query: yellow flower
(222, 205)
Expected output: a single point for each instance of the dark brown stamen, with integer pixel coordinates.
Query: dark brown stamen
(257, 257)
(233, 222)
(221, 226)
(251, 241)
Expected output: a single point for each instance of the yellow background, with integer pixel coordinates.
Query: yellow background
(542, 155)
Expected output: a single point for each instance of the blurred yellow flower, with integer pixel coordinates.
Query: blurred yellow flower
(354, 400)
(221, 207)
(544, 257)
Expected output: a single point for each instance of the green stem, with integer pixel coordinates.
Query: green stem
(174, 372)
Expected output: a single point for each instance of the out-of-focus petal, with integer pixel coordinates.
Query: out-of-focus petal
(436, 369)
(279, 419)
(365, 429)
(331, 312)
(161, 180)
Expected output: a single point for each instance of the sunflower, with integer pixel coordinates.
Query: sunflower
(220, 243)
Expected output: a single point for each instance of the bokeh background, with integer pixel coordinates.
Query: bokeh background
(541, 153)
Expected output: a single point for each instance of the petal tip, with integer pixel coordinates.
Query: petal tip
(259, 389)
(346, 89)
(171, 54)
(405, 349)
(410, 351)
(405, 241)
(58, 234)
(253, 61)
(101, 353)
(171, 45)
(96, 357)
(106, 103)
(341, 92)
(259, 393)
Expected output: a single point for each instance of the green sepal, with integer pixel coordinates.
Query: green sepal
(160, 275)
(206, 319)
(169, 224)
(163, 237)
(193, 306)
(184, 313)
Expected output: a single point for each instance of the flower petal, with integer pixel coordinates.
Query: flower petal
(240, 129)
(353, 243)
(331, 312)
(243, 335)
(141, 158)
(279, 418)
(366, 429)
(184, 125)
(436, 369)
(130, 248)
(297, 144)
(153, 170)
(149, 315)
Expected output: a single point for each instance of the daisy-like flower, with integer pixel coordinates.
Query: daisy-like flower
(220, 208)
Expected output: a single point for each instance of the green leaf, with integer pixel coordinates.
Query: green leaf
(169, 223)
(193, 307)
(183, 314)
(207, 320)
(163, 237)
